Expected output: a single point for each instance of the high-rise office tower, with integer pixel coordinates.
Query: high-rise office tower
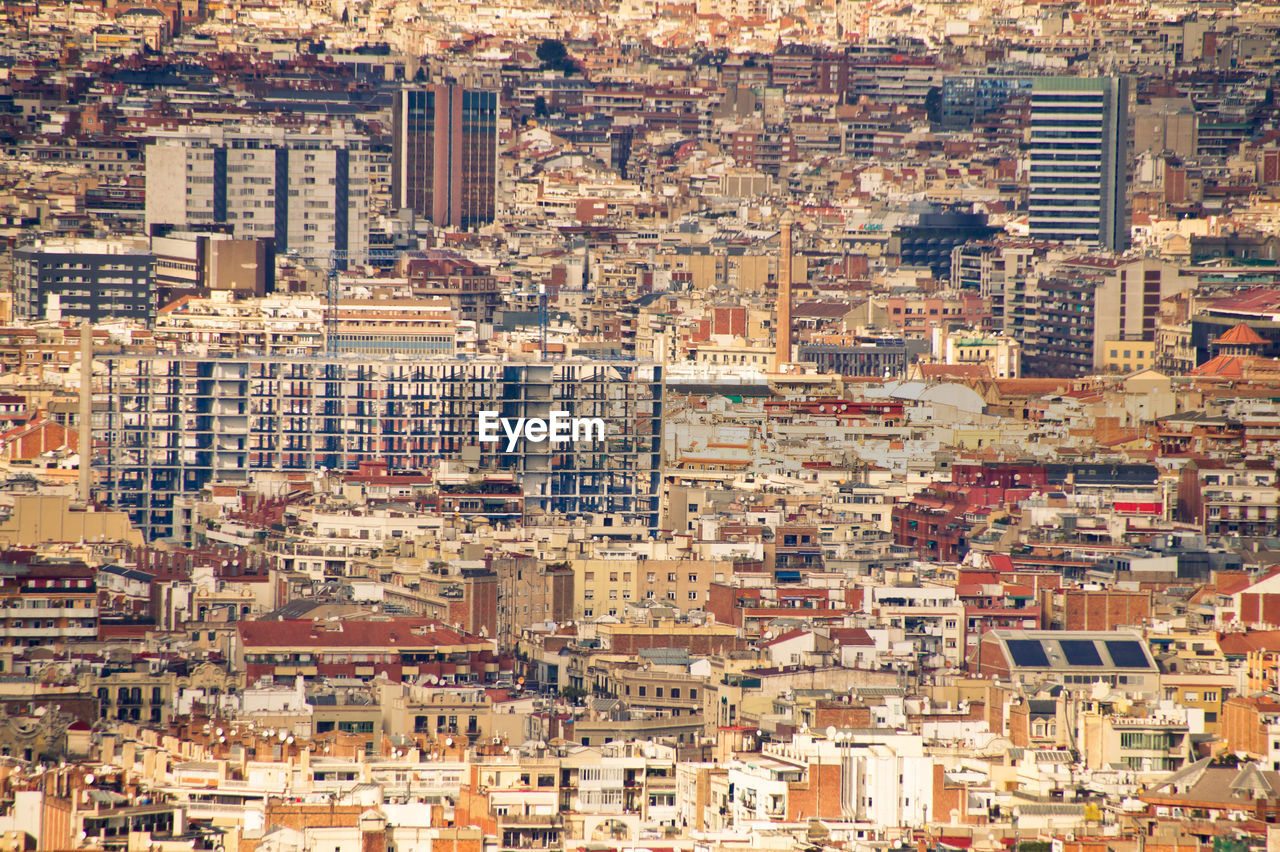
(1079, 160)
(445, 153)
(306, 188)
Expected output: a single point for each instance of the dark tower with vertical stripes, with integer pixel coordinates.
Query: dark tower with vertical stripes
(445, 154)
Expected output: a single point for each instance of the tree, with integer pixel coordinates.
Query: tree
(540, 106)
(552, 53)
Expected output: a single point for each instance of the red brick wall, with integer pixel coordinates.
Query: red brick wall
(1104, 609)
(48, 436)
(818, 795)
(990, 661)
(1257, 609)
(841, 715)
(720, 603)
(697, 643)
(1242, 727)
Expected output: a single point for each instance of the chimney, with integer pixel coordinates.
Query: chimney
(783, 310)
(84, 429)
(373, 831)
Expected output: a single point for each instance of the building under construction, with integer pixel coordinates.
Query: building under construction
(176, 423)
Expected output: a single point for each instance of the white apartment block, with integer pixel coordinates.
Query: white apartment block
(309, 188)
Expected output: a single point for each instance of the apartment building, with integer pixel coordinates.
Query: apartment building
(400, 648)
(48, 605)
(176, 423)
(306, 189)
(83, 281)
(1085, 306)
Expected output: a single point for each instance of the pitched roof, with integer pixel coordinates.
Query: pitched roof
(785, 637)
(1240, 644)
(1241, 335)
(1222, 366)
(851, 636)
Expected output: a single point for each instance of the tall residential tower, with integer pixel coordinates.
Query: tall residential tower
(1079, 160)
(445, 154)
(306, 189)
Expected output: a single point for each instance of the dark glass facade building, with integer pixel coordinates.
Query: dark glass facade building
(445, 154)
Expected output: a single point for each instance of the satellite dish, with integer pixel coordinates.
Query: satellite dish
(89, 779)
(448, 741)
(831, 732)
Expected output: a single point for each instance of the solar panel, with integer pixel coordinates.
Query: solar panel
(1028, 652)
(1127, 654)
(1080, 652)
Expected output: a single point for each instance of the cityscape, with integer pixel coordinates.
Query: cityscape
(639, 426)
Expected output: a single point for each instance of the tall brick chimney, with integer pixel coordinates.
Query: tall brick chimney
(783, 310)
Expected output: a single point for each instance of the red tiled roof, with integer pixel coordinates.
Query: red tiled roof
(1000, 561)
(1241, 335)
(852, 636)
(785, 637)
(1239, 644)
(1259, 299)
(1222, 366)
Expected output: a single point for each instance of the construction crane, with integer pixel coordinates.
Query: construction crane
(338, 260)
(541, 293)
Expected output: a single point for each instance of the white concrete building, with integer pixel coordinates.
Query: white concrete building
(309, 189)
